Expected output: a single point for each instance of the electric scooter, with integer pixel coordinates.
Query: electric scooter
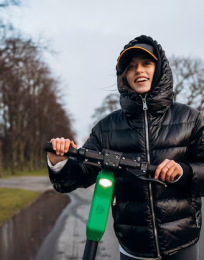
(107, 160)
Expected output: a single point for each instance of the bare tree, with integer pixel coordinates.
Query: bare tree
(109, 104)
(31, 111)
(188, 74)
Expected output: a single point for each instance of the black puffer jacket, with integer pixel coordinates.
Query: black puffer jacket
(150, 220)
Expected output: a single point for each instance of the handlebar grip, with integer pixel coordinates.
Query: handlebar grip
(151, 168)
(72, 151)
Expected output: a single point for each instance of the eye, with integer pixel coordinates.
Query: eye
(148, 62)
(131, 67)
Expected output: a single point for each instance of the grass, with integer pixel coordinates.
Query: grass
(41, 172)
(12, 200)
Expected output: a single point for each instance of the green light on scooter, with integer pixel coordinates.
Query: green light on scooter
(105, 182)
(100, 206)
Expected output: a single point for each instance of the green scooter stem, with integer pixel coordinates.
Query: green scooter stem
(99, 212)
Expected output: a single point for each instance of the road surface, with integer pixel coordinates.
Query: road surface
(36, 183)
(69, 235)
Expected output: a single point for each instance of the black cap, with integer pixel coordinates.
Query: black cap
(129, 52)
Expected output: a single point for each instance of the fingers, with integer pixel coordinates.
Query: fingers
(58, 145)
(53, 141)
(159, 169)
(175, 174)
(168, 170)
(66, 146)
(73, 144)
(61, 145)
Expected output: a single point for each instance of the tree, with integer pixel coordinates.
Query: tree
(31, 112)
(188, 74)
(110, 103)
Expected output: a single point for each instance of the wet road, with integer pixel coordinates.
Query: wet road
(23, 234)
(69, 235)
(67, 239)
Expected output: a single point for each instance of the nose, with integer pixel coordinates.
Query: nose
(139, 68)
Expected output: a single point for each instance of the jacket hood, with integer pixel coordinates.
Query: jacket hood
(160, 96)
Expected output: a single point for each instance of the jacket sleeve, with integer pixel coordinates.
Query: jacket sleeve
(196, 156)
(75, 174)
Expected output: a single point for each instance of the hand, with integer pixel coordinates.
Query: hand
(61, 146)
(168, 170)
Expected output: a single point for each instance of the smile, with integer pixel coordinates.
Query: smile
(141, 79)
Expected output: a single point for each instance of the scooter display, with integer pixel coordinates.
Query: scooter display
(108, 161)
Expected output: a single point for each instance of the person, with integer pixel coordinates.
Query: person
(151, 221)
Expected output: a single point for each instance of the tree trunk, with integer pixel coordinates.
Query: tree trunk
(13, 155)
(1, 168)
(21, 156)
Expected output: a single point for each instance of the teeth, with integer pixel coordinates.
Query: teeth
(141, 79)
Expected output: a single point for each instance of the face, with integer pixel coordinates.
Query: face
(140, 73)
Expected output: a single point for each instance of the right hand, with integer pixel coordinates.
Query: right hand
(61, 146)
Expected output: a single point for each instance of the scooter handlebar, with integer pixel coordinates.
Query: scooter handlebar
(101, 159)
(97, 157)
(151, 168)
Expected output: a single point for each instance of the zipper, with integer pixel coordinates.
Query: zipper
(144, 102)
(145, 108)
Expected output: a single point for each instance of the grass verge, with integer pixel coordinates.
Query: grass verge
(12, 200)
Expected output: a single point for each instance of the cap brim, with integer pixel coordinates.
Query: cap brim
(124, 55)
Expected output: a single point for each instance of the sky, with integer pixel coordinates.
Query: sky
(88, 37)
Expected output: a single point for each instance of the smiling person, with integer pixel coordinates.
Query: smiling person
(151, 221)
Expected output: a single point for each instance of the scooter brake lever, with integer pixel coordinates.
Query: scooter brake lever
(142, 177)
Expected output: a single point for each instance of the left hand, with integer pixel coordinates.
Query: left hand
(168, 170)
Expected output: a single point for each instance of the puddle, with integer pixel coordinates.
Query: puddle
(22, 235)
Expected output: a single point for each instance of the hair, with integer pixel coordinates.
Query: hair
(122, 80)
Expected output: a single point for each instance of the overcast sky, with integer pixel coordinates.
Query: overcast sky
(89, 35)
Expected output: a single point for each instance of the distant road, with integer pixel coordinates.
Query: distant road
(36, 183)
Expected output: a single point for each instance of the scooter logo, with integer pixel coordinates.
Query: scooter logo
(100, 209)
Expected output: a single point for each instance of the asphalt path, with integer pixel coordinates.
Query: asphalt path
(70, 228)
(67, 239)
(36, 183)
